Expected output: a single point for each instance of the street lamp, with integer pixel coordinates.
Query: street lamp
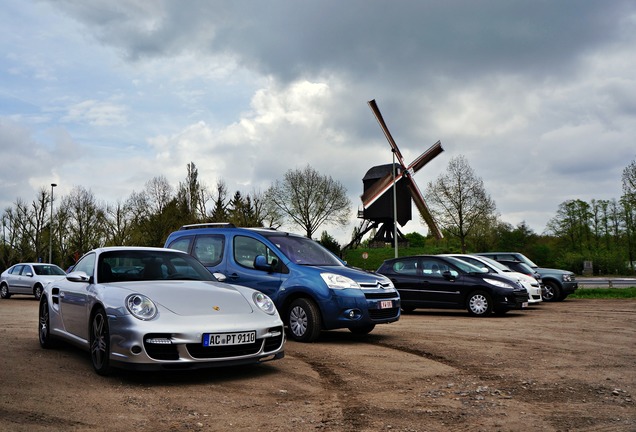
(51, 227)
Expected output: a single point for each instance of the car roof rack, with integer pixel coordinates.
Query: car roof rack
(208, 225)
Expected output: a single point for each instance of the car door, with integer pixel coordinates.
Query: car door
(74, 299)
(407, 280)
(438, 289)
(14, 280)
(23, 281)
(239, 265)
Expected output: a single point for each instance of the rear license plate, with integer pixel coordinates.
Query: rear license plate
(386, 304)
(223, 339)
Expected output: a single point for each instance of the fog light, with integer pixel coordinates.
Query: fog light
(353, 314)
(136, 349)
(159, 341)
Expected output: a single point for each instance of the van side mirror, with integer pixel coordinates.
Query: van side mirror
(260, 263)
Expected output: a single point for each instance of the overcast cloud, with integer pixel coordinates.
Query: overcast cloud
(540, 96)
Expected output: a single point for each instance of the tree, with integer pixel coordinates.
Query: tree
(309, 200)
(629, 180)
(458, 200)
(219, 210)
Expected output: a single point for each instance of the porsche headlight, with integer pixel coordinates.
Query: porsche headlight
(335, 281)
(264, 303)
(499, 284)
(141, 307)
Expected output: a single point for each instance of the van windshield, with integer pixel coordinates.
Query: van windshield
(304, 251)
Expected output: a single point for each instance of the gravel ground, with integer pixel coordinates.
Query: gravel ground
(567, 366)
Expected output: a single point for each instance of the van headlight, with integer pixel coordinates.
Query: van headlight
(336, 281)
(498, 283)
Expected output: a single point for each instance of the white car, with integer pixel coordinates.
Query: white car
(153, 308)
(528, 282)
(28, 278)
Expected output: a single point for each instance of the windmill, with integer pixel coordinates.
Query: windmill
(384, 208)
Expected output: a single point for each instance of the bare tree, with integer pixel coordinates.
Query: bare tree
(308, 199)
(458, 200)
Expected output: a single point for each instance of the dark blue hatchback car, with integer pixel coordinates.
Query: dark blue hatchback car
(312, 288)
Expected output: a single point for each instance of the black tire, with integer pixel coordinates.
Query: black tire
(37, 291)
(552, 292)
(479, 304)
(44, 325)
(100, 342)
(363, 330)
(407, 309)
(4, 291)
(303, 320)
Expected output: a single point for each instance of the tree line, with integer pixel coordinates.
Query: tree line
(601, 231)
(80, 222)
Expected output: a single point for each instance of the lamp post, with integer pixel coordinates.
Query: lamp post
(51, 227)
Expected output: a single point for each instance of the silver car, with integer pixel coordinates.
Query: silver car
(153, 308)
(28, 278)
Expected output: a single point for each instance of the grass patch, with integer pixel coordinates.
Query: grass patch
(604, 293)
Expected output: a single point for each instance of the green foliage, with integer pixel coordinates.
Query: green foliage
(604, 293)
(330, 243)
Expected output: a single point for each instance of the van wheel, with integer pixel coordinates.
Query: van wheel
(479, 304)
(303, 320)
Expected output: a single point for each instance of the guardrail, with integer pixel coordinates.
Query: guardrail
(600, 282)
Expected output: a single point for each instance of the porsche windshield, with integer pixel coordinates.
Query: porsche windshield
(304, 251)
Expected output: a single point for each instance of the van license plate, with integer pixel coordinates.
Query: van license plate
(386, 304)
(222, 339)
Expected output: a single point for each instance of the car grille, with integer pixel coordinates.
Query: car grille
(197, 350)
(269, 344)
(160, 351)
(383, 314)
(380, 295)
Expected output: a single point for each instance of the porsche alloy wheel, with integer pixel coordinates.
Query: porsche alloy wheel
(100, 343)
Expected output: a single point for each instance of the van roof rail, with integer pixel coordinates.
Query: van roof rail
(209, 225)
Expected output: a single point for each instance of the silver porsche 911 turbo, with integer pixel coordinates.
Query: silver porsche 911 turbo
(153, 308)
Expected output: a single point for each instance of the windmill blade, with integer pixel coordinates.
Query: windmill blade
(385, 129)
(423, 208)
(378, 189)
(426, 157)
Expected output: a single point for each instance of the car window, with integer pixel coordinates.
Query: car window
(86, 264)
(406, 266)
(304, 251)
(144, 265)
(26, 270)
(433, 267)
(16, 270)
(48, 270)
(209, 249)
(182, 244)
(247, 248)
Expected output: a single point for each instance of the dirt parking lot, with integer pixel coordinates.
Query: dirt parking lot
(567, 366)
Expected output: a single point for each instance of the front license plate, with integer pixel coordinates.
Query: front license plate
(223, 339)
(386, 304)
(524, 305)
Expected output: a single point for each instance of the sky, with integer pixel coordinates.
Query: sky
(538, 96)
